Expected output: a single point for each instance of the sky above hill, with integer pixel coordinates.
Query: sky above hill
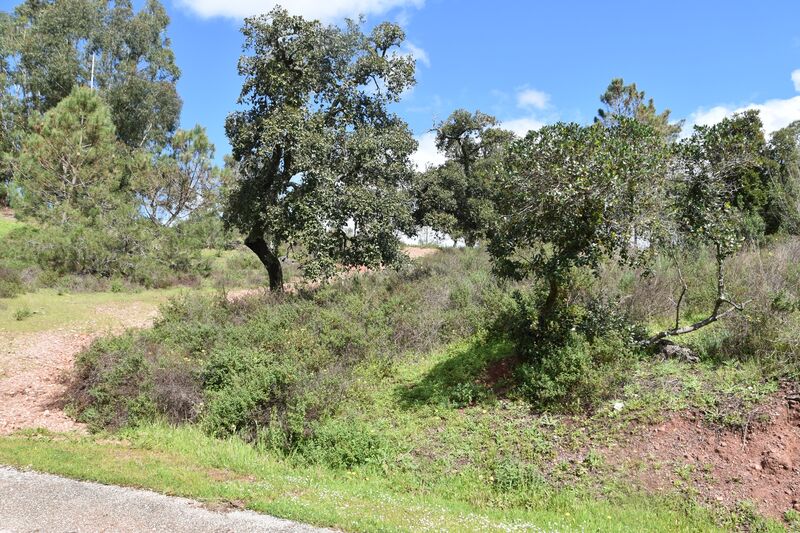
(529, 63)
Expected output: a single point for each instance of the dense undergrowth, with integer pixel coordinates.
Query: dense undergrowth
(270, 367)
(76, 259)
(417, 376)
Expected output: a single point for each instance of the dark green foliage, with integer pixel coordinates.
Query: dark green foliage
(572, 197)
(135, 71)
(205, 229)
(456, 198)
(346, 444)
(74, 182)
(626, 101)
(782, 212)
(10, 282)
(126, 384)
(579, 360)
(323, 163)
(120, 244)
(11, 117)
(69, 166)
(735, 186)
(575, 375)
(269, 369)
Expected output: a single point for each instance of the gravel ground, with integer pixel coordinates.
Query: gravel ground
(40, 502)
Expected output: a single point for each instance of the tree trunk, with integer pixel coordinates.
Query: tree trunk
(549, 306)
(269, 258)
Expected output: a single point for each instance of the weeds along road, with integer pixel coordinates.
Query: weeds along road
(41, 502)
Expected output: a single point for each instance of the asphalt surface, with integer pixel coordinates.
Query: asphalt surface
(31, 501)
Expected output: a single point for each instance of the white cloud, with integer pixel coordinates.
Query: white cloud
(521, 126)
(417, 53)
(775, 114)
(531, 98)
(796, 79)
(327, 10)
(427, 154)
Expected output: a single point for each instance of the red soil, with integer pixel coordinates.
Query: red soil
(760, 464)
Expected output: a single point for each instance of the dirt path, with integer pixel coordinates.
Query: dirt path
(41, 502)
(34, 367)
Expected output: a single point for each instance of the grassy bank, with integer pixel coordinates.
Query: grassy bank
(229, 473)
(6, 225)
(384, 403)
(411, 453)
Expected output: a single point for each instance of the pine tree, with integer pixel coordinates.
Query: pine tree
(70, 164)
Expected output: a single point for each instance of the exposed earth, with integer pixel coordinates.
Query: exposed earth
(760, 464)
(35, 367)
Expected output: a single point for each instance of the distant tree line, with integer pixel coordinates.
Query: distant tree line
(89, 142)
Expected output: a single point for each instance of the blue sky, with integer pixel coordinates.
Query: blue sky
(529, 62)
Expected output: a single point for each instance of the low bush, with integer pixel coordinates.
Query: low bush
(125, 248)
(346, 444)
(10, 282)
(576, 374)
(22, 313)
(271, 368)
(579, 357)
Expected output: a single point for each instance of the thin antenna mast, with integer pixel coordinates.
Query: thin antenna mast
(91, 81)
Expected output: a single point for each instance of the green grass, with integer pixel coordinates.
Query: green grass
(6, 225)
(186, 462)
(50, 310)
(47, 309)
(449, 460)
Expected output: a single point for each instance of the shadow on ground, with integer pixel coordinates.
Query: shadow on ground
(475, 373)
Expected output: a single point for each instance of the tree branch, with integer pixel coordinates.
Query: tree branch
(715, 315)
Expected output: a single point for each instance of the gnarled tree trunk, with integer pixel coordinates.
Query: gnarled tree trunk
(550, 304)
(269, 258)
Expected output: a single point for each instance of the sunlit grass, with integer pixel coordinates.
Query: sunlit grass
(51, 309)
(7, 224)
(183, 461)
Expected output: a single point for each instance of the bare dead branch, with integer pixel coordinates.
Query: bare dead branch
(722, 299)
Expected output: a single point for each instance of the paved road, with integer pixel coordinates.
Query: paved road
(40, 502)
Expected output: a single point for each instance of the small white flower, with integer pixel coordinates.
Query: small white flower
(618, 406)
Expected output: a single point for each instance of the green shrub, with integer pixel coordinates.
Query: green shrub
(345, 444)
(273, 368)
(5, 195)
(579, 357)
(122, 246)
(22, 313)
(114, 384)
(10, 283)
(574, 376)
(792, 519)
(511, 475)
